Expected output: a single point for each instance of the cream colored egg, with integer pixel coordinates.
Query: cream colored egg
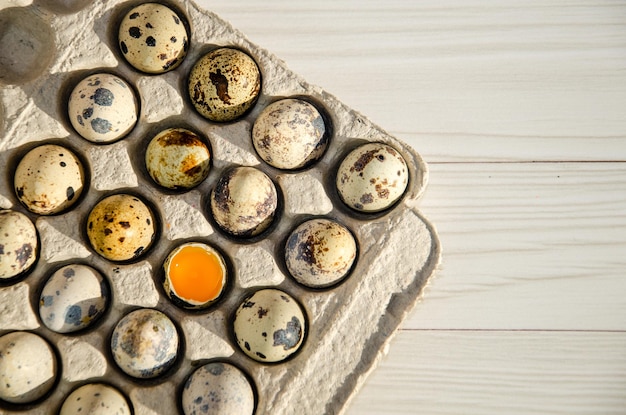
(49, 179)
(153, 38)
(96, 399)
(224, 84)
(19, 245)
(103, 108)
(177, 158)
(372, 177)
(121, 227)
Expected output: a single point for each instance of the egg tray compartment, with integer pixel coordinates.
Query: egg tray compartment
(349, 325)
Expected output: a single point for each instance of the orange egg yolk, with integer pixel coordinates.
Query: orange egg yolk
(196, 275)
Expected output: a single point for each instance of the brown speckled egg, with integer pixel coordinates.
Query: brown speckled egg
(289, 134)
(153, 38)
(28, 367)
(224, 84)
(18, 244)
(269, 326)
(95, 399)
(372, 177)
(49, 179)
(121, 227)
(320, 252)
(177, 158)
(244, 201)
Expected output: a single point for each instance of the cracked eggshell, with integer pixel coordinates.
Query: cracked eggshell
(244, 201)
(96, 399)
(73, 298)
(224, 84)
(320, 253)
(153, 38)
(145, 343)
(177, 158)
(290, 134)
(49, 179)
(103, 108)
(218, 388)
(28, 367)
(19, 245)
(270, 326)
(121, 227)
(372, 177)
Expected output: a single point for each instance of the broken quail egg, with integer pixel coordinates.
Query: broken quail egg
(95, 399)
(19, 245)
(49, 179)
(269, 326)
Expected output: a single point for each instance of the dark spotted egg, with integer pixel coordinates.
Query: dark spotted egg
(270, 326)
(96, 399)
(19, 245)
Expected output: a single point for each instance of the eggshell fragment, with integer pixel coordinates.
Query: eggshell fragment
(19, 245)
(95, 399)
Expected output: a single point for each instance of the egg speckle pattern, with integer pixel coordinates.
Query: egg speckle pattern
(145, 343)
(290, 134)
(121, 227)
(73, 298)
(19, 245)
(95, 399)
(28, 367)
(103, 108)
(244, 201)
(49, 179)
(270, 326)
(224, 84)
(218, 388)
(320, 252)
(153, 38)
(177, 158)
(372, 177)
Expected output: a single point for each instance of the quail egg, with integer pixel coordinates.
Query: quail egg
(224, 84)
(269, 326)
(177, 159)
(372, 177)
(95, 399)
(244, 201)
(145, 343)
(195, 275)
(121, 227)
(28, 367)
(49, 179)
(290, 134)
(19, 245)
(103, 108)
(73, 298)
(153, 38)
(218, 388)
(320, 252)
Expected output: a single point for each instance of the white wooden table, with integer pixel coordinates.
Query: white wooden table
(520, 110)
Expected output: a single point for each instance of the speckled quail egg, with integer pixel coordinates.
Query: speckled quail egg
(103, 108)
(372, 177)
(218, 388)
(269, 326)
(95, 399)
(177, 158)
(153, 38)
(290, 134)
(73, 298)
(121, 227)
(320, 252)
(224, 84)
(19, 245)
(244, 201)
(49, 179)
(195, 275)
(28, 367)
(145, 343)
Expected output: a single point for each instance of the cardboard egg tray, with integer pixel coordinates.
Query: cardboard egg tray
(47, 48)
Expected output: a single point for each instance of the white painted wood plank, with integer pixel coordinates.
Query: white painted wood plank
(462, 80)
(450, 373)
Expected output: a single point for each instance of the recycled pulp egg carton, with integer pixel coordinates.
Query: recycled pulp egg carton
(46, 49)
